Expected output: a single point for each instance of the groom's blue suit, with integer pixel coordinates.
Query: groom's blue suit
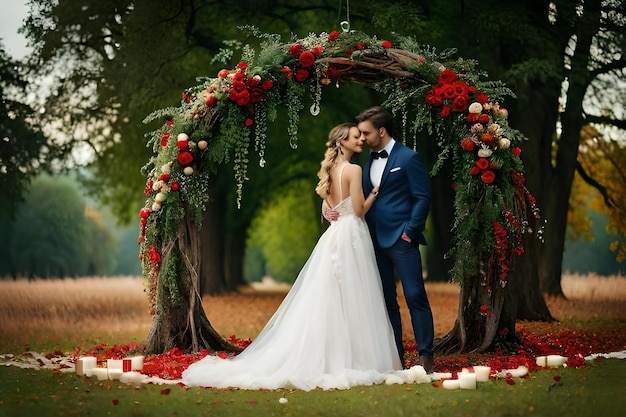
(402, 206)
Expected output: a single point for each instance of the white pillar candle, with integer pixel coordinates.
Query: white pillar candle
(136, 363)
(467, 380)
(541, 361)
(451, 384)
(482, 373)
(555, 360)
(114, 373)
(101, 373)
(114, 363)
(83, 364)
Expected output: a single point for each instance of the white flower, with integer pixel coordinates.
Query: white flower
(156, 206)
(493, 127)
(182, 137)
(484, 152)
(166, 168)
(475, 107)
(476, 128)
(160, 197)
(504, 143)
(158, 185)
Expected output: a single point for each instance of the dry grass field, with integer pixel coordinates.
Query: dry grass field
(86, 310)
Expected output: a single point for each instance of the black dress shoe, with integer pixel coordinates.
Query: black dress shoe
(427, 363)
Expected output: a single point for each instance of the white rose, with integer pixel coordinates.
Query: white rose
(188, 171)
(160, 197)
(504, 143)
(156, 206)
(475, 108)
(167, 168)
(182, 137)
(493, 127)
(158, 185)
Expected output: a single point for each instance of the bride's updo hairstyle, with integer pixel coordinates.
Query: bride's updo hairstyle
(333, 150)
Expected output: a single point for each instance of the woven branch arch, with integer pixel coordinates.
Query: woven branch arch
(226, 117)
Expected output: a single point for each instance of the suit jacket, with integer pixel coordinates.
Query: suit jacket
(403, 199)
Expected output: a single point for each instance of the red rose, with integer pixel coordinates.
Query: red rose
(472, 117)
(295, 49)
(243, 98)
(175, 186)
(318, 50)
(249, 122)
(385, 44)
(144, 213)
(333, 36)
(360, 45)
(238, 86)
(348, 51)
(482, 163)
(448, 91)
(267, 84)
(460, 87)
(169, 122)
(468, 144)
(224, 73)
(483, 118)
(165, 138)
(488, 177)
(433, 100)
(155, 257)
(302, 74)
(333, 72)
(253, 82)
(459, 104)
(306, 59)
(164, 177)
(474, 171)
(182, 145)
(242, 65)
(184, 158)
(287, 71)
(482, 98)
(211, 101)
(447, 76)
(516, 151)
(445, 111)
(471, 90)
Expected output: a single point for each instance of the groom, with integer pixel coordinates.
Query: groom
(396, 222)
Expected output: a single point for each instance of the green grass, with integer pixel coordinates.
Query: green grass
(596, 390)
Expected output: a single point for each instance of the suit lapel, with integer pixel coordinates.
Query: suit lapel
(390, 162)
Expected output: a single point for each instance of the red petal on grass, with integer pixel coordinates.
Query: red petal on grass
(115, 402)
(165, 391)
(510, 381)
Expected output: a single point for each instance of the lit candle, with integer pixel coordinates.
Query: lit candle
(85, 363)
(451, 384)
(467, 380)
(482, 373)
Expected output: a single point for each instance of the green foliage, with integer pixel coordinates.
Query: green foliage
(53, 235)
(286, 230)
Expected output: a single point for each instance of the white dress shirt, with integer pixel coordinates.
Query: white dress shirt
(377, 167)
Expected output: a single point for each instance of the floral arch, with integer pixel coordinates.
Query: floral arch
(225, 117)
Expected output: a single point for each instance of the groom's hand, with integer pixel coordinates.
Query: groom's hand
(405, 237)
(331, 215)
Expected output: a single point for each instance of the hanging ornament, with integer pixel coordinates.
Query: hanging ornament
(315, 109)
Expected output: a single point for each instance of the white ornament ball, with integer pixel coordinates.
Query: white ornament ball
(504, 143)
(160, 197)
(182, 137)
(475, 108)
(202, 144)
(188, 171)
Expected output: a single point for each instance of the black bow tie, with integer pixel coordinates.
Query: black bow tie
(381, 154)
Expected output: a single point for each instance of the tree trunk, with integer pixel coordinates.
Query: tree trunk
(179, 319)
(475, 329)
(212, 274)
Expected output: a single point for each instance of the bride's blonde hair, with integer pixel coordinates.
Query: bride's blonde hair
(333, 150)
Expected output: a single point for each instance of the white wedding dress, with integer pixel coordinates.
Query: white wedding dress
(330, 331)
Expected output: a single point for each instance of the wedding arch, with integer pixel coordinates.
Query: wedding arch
(224, 118)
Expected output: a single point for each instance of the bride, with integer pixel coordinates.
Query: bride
(332, 328)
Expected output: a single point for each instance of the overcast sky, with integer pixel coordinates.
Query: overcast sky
(12, 14)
